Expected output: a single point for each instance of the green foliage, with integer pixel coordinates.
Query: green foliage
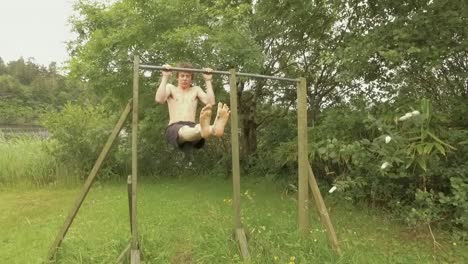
(403, 164)
(28, 90)
(78, 136)
(456, 205)
(410, 50)
(24, 162)
(160, 32)
(14, 112)
(409, 163)
(449, 210)
(366, 64)
(10, 87)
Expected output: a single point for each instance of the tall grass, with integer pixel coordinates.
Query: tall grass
(25, 162)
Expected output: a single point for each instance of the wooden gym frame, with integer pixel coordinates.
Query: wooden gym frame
(306, 178)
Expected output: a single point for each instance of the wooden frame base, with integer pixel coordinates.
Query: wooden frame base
(243, 246)
(323, 212)
(87, 186)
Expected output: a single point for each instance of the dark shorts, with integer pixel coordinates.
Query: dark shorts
(172, 135)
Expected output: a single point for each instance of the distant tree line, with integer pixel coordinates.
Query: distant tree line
(27, 90)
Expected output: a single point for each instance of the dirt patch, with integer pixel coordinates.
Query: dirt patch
(184, 254)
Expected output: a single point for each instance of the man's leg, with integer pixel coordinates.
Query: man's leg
(189, 134)
(221, 119)
(202, 130)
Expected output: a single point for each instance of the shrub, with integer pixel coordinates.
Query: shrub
(411, 167)
(413, 163)
(79, 134)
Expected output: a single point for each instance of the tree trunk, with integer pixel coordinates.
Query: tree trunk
(313, 111)
(249, 124)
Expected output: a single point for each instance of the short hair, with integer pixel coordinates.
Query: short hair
(187, 65)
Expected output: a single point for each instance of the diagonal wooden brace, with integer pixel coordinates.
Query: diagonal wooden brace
(89, 181)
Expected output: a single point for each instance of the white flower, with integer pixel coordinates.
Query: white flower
(332, 189)
(409, 115)
(384, 165)
(388, 139)
(406, 116)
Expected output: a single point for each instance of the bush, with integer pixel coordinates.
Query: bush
(413, 165)
(79, 134)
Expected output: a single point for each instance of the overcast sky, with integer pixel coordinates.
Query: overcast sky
(35, 28)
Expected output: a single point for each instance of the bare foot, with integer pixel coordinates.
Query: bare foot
(205, 118)
(221, 120)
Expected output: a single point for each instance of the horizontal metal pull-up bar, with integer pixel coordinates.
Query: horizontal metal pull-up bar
(161, 68)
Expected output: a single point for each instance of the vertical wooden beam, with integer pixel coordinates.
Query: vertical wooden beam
(235, 150)
(303, 194)
(126, 251)
(135, 256)
(89, 181)
(136, 75)
(129, 193)
(244, 249)
(323, 212)
(239, 231)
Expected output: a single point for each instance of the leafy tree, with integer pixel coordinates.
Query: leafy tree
(11, 88)
(415, 49)
(3, 69)
(159, 32)
(27, 90)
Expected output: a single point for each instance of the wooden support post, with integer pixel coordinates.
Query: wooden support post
(89, 181)
(244, 249)
(135, 256)
(124, 254)
(129, 194)
(135, 253)
(323, 212)
(303, 207)
(235, 150)
(239, 231)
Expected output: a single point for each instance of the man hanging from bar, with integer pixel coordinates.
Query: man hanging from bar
(182, 100)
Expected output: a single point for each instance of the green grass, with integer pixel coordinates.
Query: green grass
(190, 221)
(25, 163)
(18, 157)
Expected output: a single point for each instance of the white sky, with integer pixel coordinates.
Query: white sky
(35, 28)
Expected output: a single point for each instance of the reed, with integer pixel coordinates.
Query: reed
(24, 161)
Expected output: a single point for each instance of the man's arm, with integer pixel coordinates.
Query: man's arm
(164, 90)
(208, 97)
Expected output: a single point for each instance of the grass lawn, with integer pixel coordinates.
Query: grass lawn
(190, 221)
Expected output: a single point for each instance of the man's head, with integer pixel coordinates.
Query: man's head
(184, 79)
